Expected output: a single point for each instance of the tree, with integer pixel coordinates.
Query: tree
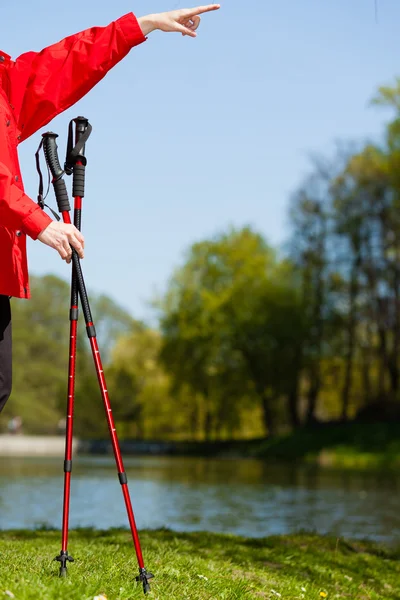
(231, 314)
(142, 404)
(310, 218)
(40, 347)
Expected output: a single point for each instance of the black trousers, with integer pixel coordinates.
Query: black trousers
(5, 351)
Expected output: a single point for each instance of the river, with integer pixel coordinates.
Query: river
(244, 497)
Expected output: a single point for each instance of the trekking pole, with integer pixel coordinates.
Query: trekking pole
(76, 164)
(51, 155)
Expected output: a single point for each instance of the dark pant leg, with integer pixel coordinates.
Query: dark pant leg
(5, 351)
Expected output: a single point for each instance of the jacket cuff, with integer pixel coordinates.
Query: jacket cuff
(35, 222)
(131, 30)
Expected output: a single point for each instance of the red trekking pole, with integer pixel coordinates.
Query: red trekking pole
(76, 164)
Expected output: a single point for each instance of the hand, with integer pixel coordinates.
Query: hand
(61, 237)
(185, 20)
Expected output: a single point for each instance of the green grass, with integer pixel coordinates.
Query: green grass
(198, 566)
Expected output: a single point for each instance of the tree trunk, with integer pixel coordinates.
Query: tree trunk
(366, 376)
(384, 360)
(393, 376)
(381, 378)
(380, 353)
(394, 358)
(366, 365)
(208, 424)
(350, 341)
(208, 417)
(194, 417)
(317, 342)
(269, 421)
(347, 380)
(259, 380)
(313, 298)
(312, 398)
(293, 402)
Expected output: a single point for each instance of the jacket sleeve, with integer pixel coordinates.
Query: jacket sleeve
(17, 210)
(44, 84)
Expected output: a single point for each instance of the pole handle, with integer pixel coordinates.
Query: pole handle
(81, 126)
(75, 160)
(51, 155)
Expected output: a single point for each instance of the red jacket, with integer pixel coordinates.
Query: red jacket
(33, 90)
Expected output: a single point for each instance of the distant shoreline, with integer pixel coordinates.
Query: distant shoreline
(30, 445)
(332, 445)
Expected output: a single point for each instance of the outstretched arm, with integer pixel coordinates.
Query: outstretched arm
(44, 84)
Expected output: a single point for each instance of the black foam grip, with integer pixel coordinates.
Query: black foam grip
(81, 125)
(60, 190)
(51, 154)
(82, 288)
(78, 181)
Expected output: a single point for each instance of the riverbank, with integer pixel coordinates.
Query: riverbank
(336, 445)
(200, 566)
(30, 445)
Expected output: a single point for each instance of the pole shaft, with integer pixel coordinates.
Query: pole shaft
(70, 409)
(106, 400)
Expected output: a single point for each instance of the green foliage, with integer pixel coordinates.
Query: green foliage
(232, 326)
(140, 389)
(40, 355)
(199, 565)
(40, 349)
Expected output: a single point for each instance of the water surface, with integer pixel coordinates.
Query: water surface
(245, 497)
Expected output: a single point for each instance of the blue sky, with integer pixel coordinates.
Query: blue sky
(192, 136)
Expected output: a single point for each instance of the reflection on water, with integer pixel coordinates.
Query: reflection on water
(246, 497)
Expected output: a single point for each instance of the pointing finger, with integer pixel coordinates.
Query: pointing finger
(202, 9)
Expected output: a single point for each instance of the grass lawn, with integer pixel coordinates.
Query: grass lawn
(196, 566)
